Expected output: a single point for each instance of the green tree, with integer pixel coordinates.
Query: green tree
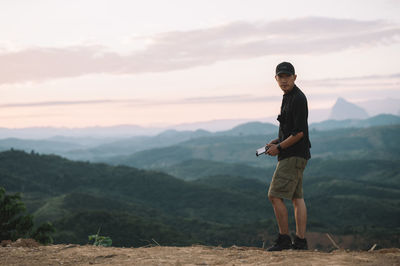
(14, 223)
(42, 234)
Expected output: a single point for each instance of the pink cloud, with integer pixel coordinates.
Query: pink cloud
(180, 50)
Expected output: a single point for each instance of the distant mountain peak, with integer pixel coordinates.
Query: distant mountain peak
(343, 110)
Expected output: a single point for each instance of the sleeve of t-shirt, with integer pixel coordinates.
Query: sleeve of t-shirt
(300, 114)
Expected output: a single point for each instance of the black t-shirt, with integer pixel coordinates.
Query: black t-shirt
(292, 120)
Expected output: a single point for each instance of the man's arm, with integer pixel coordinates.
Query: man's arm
(274, 141)
(291, 140)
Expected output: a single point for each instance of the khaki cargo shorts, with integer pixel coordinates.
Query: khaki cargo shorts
(287, 181)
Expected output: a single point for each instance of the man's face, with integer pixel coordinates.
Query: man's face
(286, 82)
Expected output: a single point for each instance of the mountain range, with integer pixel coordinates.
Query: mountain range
(234, 146)
(202, 187)
(341, 110)
(345, 110)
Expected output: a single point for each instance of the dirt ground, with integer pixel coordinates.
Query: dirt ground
(33, 254)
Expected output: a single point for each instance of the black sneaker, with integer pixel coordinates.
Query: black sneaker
(281, 243)
(300, 243)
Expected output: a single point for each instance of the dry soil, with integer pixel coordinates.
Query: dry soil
(32, 254)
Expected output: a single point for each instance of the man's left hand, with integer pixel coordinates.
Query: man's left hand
(273, 150)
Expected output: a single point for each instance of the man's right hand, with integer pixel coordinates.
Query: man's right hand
(272, 149)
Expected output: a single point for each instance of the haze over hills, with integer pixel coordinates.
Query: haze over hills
(232, 146)
(379, 120)
(120, 131)
(363, 109)
(381, 106)
(342, 110)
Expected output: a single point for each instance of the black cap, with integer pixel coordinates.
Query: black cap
(284, 67)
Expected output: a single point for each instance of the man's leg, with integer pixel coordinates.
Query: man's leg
(282, 186)
(300, 214)
(283, 241)
(281, 214)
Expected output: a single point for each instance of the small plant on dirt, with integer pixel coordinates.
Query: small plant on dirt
(104, 241)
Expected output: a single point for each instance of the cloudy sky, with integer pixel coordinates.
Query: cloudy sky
(70, 63)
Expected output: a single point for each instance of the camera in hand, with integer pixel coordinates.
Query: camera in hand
(261, 150)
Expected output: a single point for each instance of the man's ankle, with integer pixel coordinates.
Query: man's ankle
(300, 243)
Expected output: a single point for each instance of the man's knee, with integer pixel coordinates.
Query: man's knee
(298, 201)
(273, 199)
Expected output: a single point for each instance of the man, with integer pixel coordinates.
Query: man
(293, 151)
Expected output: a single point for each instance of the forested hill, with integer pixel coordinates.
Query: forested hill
(378, 143)
(132, 206)
(129, 203)
(53, 175)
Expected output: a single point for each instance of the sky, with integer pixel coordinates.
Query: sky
(70, 63)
